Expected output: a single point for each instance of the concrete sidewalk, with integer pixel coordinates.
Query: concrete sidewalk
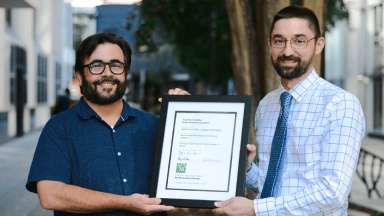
(15, 158)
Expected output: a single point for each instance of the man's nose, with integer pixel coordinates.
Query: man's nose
(288, 50)
(107, 70)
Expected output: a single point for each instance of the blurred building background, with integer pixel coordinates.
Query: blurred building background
(188, 44)
(39, 36)
(150, 72)
(36, 61)
(354, 58)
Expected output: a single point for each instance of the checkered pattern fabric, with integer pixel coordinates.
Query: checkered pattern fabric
(325, 127)
(278, 146)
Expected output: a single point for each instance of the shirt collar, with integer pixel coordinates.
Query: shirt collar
(127, 113)
(300, 89)
(86, 112)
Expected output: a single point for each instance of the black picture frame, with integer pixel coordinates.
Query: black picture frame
(240, 182)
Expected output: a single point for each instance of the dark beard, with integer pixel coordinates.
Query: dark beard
(89, 90)
(290, 74)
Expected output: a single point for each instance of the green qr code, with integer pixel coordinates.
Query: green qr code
(181, 167)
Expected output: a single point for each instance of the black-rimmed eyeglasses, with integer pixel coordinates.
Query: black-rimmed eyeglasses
(98, 67)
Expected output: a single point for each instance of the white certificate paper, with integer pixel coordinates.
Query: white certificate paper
(201, 150)
(201, 137)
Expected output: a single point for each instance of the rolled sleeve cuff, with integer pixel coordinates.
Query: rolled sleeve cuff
(251, 176)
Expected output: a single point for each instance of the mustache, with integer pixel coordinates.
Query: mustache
(107, 79)
(288, 58)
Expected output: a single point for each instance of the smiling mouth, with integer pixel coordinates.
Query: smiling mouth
(107, 83)
(289, 63)
(106, 86)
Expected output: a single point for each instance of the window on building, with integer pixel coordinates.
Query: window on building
(378, 21)
(41, 79)
(377, 102)
(8, 17)
(3, 125)
(58, 78)
(17, 62)
(12, 90)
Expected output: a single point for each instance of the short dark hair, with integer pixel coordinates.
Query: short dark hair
(298, 12)
(89, 45)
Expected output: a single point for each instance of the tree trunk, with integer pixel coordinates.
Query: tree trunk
(319, 7)
(241, 52)
(267, 10)
(244, 53)
(243, 59)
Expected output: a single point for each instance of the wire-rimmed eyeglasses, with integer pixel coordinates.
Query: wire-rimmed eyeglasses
(296, 42)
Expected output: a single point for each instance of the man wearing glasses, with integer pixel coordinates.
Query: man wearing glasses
(308, 131)
(95, 158)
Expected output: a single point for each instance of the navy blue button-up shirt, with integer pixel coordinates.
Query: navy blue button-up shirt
(77, 147)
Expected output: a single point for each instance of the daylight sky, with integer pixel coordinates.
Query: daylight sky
(93, 3)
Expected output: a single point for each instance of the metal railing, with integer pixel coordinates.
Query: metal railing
(370, 172)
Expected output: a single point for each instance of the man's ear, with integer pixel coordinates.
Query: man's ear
(320, 43)
(78, 77)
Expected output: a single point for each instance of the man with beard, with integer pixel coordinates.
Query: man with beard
(96, 157)
(308, 131)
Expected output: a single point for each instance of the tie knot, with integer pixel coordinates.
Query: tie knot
(285, 99)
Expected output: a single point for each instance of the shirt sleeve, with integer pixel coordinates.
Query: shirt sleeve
(344, 130)
(253, 172)
(251, 176)
(51, 160)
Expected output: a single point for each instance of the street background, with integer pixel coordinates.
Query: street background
(214, 47)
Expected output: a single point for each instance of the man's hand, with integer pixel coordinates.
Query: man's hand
(251, 153)
(59, 196)
(237, 206)
(142, 204)
(175, 91)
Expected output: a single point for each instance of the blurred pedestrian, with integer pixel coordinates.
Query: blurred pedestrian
(63, 102)
(95, 158)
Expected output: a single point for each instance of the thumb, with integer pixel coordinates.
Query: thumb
(222, 203)
(251, 148)
(219, 204)
(251, 152)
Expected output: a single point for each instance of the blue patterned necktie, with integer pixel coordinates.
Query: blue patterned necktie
(278, 146)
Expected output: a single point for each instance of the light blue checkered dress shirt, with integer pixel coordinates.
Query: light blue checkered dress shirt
(325, 127)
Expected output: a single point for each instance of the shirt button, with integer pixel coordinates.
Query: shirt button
(118, 153)
(124, 180)
(113, 130)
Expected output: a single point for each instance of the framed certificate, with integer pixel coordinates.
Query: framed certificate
(201, 154)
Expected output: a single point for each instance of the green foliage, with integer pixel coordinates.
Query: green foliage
(377, 214)
(144, 35)
(199, 31)
(336, 10)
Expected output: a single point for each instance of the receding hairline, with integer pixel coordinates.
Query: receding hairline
(310, 25)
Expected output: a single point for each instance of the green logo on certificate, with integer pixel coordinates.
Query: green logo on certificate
(181, 167)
